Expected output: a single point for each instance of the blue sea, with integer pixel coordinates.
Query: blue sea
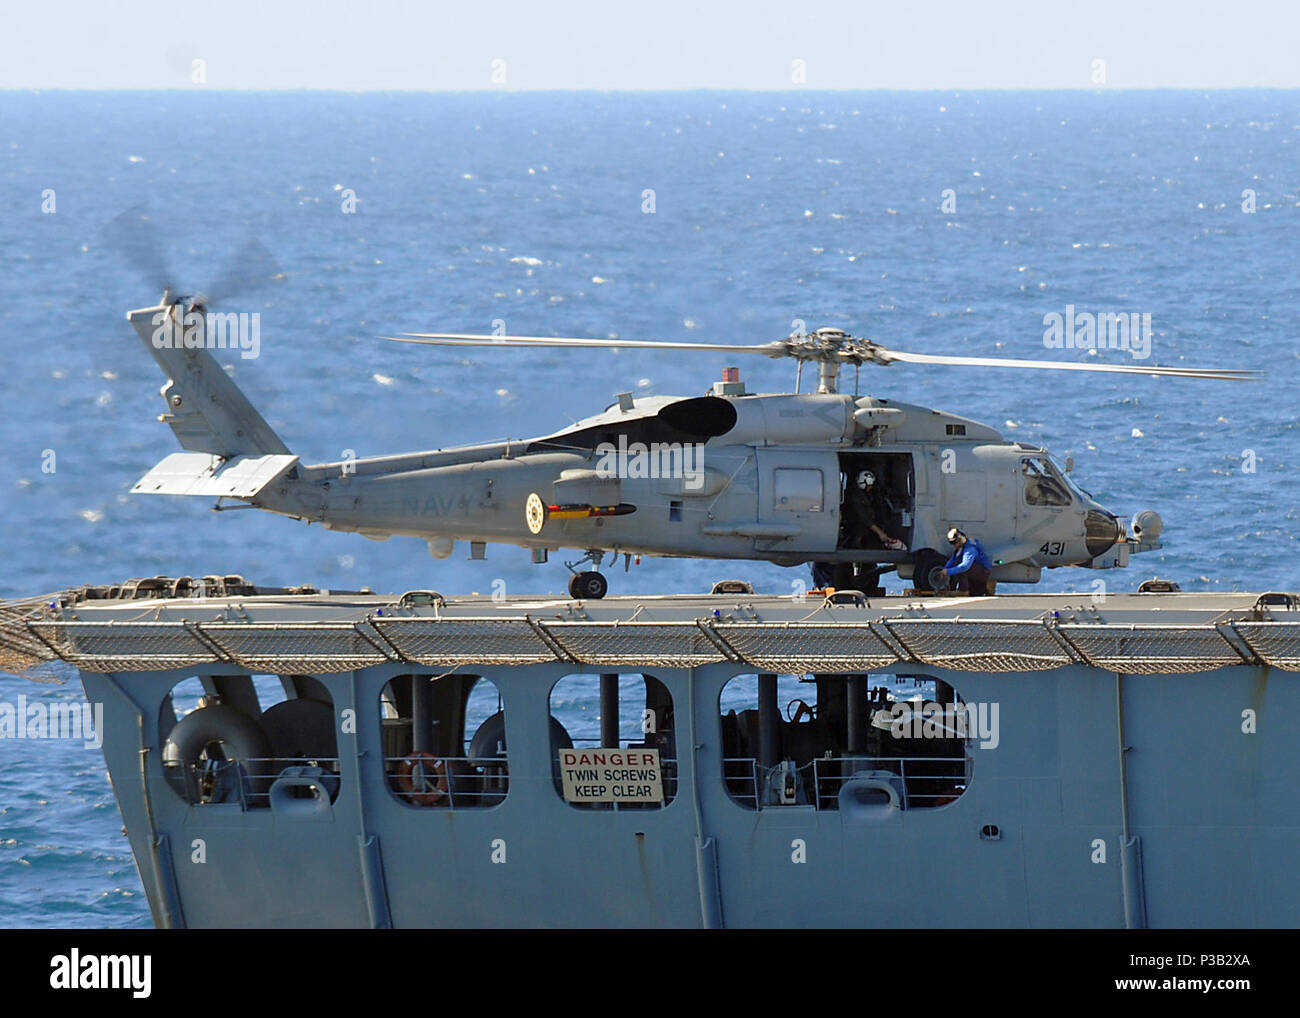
(929, 222)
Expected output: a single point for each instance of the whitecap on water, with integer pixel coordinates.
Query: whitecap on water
(383, 379)
(91, 515)
(527, 261)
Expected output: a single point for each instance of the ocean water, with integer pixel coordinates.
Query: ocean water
(830, 209)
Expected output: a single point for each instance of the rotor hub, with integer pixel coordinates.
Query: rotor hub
(830, 348)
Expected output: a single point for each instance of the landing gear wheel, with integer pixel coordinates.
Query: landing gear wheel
(588, 586)
(927, 572)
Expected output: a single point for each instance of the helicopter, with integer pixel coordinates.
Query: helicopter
(724, 475)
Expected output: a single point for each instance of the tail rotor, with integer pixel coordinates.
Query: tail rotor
(135, 239)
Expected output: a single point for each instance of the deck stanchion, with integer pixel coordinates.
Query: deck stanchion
(857, 709)
(421, 714)
(769, 722)
(609, 710)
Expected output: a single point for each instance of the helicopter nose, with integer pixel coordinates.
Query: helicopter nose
(1101, 530)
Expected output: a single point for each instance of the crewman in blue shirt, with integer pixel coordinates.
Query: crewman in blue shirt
(969, 566)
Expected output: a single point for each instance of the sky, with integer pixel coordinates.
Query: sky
(364, 45)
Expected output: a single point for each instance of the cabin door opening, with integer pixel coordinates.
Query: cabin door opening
(888, 506)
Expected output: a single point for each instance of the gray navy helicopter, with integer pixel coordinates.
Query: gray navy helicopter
(725, 475)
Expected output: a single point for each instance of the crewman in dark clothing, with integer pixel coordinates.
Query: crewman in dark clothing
(969, 567)
(862, 511)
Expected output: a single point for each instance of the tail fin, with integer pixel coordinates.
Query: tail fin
(232, 451)
(205, 409)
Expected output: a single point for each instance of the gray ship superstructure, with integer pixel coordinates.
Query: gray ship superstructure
(1026, 761)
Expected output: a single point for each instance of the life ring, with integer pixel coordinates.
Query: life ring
(421, 784)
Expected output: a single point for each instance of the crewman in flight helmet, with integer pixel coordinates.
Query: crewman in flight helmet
(865, 509)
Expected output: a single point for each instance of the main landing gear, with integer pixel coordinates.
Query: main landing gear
(928, 575)
(587, 585)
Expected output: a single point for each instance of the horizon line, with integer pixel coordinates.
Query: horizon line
(945, 90)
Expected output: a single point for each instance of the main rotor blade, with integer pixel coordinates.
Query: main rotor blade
(792, 348)
(1225, 374)
(478, 339)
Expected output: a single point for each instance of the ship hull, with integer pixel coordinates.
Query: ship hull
(1109, 800)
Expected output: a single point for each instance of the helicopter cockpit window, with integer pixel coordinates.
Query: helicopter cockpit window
(1079, 493)
(1043, 486)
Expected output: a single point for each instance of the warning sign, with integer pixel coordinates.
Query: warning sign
(611, 775)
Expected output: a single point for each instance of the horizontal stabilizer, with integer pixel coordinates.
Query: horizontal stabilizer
(199, 473)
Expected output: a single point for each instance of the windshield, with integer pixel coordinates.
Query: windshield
(1082, 494)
